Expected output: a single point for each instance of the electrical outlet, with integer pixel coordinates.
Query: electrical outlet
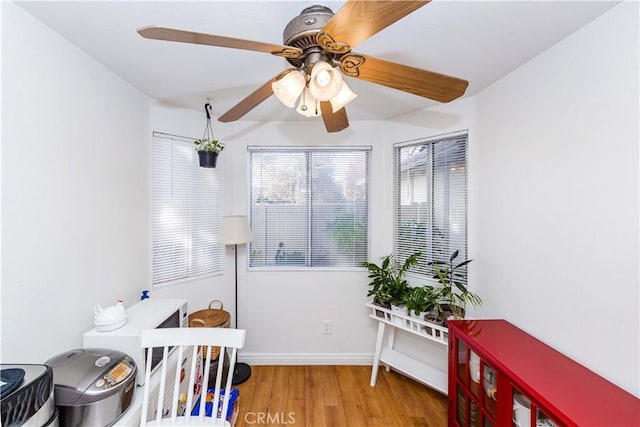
(326, 327)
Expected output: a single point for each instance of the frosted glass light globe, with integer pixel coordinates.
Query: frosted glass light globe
(323, 78)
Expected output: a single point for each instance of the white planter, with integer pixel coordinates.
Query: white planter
(399, 310)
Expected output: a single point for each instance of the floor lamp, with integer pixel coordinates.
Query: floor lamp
(236, 231)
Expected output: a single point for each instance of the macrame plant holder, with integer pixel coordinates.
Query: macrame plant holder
(208, 158)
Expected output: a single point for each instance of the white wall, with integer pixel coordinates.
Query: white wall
(556, 219)
(76, 215)
(74, 190)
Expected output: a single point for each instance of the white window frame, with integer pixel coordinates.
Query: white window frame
(431, 194)
(186, 212)
(308, 249)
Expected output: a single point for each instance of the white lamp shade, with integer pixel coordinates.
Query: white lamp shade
(308, 106)
(325, 81)
(343, 97)
(235, 230)
(289, 87)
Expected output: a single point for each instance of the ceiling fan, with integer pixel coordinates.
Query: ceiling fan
(317, 43)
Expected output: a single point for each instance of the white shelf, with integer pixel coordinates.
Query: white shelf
(387, 355)
(419, 371)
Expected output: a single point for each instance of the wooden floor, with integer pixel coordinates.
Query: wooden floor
(337, 396)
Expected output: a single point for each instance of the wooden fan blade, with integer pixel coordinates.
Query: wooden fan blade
(358, 20)
(252, 101)
(427, 84)
(334, 122)
(183, 36)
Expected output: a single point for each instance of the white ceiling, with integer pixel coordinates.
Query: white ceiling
(480, 41)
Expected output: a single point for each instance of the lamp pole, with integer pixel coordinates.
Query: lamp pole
(242, 371)
(235, 230)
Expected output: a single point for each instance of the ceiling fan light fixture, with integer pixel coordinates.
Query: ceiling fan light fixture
(289, 87)
(313, 43)
(325, 82)
(344, 97)
(309, 106)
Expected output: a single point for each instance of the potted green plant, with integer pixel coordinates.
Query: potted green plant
(420, 300)
(208, 150)
(388, 285)
(453, 293)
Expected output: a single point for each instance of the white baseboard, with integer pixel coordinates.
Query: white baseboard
(306, 358)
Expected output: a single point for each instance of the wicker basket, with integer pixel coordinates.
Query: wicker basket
(211, 318)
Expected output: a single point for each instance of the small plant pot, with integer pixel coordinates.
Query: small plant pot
(208, 159)
(447, 312)
(381, 313)
(400, 310)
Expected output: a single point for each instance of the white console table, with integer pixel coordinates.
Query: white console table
(387, 355)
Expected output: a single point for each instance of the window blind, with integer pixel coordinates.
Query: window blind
(186, 211)
(431, 201)
(309, 207)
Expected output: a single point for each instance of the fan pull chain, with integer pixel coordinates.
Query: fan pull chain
(303, 107)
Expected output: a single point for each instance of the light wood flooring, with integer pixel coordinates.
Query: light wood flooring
(337, 396)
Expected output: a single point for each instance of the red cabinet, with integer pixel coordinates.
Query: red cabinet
(501, 376)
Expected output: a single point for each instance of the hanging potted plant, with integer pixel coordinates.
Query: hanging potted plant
(208, 147)
(208, 151)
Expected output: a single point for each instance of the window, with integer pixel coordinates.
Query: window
(186, 212)
(308, 207)
(431, 200)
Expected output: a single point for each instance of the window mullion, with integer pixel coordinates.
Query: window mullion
(309, 211)
(431, 214)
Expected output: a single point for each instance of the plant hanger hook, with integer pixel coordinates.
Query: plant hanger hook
(208, 130)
